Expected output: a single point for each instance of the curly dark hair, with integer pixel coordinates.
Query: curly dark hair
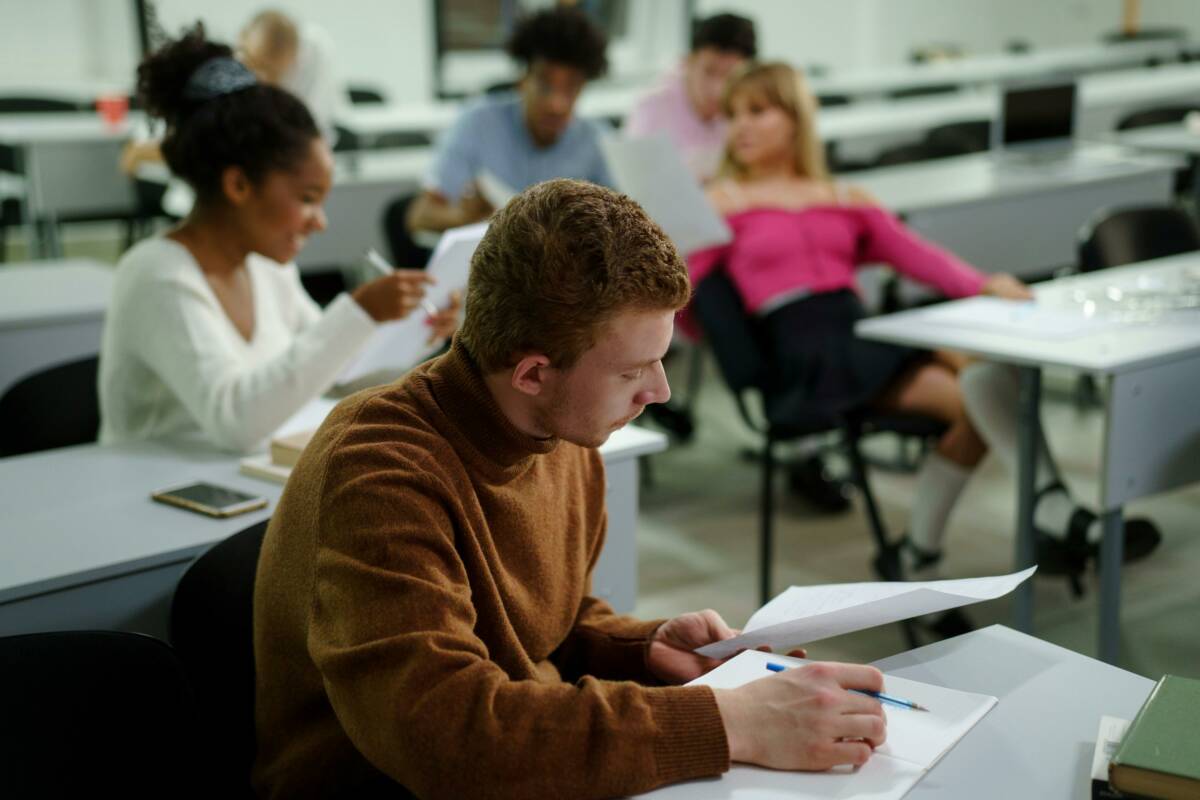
(726, 32)
(561, 35)
(259, 129)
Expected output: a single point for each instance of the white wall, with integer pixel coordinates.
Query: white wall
(389, 43)
(78, 47)
(845, 34)
(383, 43)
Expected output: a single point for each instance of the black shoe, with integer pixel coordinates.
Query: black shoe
(1069, 555)
(677, 422)
(921, 630)
(810, 481)
(1141, 539)
(949, 624)
(887, 563)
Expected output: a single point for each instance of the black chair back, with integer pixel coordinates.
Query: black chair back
(1164, 115)
(18, 104)
(96, 713)
(1129, 235)
(364, 95)
(406, 253)
(729, 332)
(212, 630)
(960, 138)
(57, 407)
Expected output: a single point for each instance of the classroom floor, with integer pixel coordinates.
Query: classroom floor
(698, 540)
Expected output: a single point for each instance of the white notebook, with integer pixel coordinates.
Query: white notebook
(916, 741)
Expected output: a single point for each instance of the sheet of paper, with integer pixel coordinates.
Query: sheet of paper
(917, 740)
(493, 189)
(805, 614)
(652, 172)
(1028, 320)
(402, 344)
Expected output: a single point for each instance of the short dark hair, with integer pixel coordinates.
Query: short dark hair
(563, 36)
(557, 263)
(728, 32)
(258, 129)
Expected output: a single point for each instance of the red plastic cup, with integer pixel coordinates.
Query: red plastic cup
(113, 108)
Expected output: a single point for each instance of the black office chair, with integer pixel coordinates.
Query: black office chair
(406, 252)
(212, 630)
(10, 217)
(738, 352)
(961, 138)
(831, 100)
(364, 95)
(57, 407)
(97, 713)
(1124, 236)
(1163, 115)
(1185, 179)
(910, 154)
(29, 104)
(922, 91)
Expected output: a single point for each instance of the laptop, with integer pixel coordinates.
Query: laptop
(1036, 123)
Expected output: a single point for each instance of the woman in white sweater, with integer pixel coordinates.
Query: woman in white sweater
(209, 329)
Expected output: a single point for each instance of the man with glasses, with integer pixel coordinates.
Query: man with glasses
(522, 137)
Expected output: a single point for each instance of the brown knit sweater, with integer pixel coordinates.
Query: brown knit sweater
(422, 616)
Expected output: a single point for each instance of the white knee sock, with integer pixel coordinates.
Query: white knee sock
(939, 483)
(991, 393)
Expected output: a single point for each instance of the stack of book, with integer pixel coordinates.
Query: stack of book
(277, 464)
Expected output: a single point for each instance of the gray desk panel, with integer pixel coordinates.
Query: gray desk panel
(1037, 742)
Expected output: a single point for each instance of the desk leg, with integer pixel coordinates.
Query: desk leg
(1111, 555)
(1028, 435)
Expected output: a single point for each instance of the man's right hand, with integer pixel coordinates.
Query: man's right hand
(805, 718)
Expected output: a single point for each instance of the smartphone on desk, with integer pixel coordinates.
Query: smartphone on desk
(210, 499)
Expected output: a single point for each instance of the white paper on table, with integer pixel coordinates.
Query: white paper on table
(401, 344)
(804, 614)
(1026, 319)
(493, 189)
(916, 741)
(652, 172)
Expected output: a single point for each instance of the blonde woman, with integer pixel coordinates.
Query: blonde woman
(798, 238)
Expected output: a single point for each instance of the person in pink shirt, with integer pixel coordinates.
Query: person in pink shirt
(798, 238)
(686, 106)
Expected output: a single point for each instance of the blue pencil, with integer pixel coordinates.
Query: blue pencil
(880, 696)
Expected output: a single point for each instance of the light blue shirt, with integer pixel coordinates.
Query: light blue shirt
(491, 134)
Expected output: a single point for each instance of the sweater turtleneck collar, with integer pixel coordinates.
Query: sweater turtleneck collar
(459, 389)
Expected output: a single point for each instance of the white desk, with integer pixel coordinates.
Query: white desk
(51, 312)
(1152, 431)
(1036, 743)
(1106, 97)
(1174, 137)
(995, 68)
(1018, 219)
(70, 163)
(85, 547)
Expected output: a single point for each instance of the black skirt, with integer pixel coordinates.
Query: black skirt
(818, 368)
